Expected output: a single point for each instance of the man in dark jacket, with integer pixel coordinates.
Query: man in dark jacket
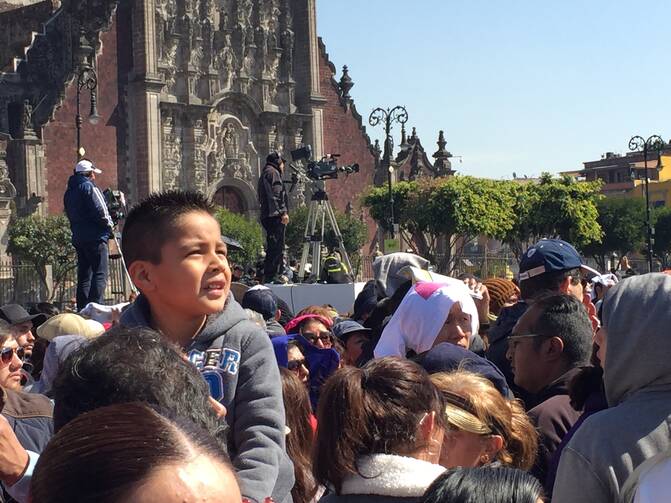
(91, 227)
(548, 346)
(274, 217)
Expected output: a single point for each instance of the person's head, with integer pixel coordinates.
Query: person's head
(175, 254)
(315, 328)
(129, 452)
(430, 313)
(484, 485)
(552, 266)
(553, 336)
(86, 168)
(353, 336)
(389, 406)
(300, 436)
(296, 362)
(21, 325)
(275, 159)
(502, 293)
(237, 272)
(128, 365)
(11, 359)
(634, 343)
(323, 311)
(482, 425)
(262, 300)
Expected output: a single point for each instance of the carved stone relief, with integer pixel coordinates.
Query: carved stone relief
(171, 152)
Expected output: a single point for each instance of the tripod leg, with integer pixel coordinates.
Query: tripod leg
(317, 243)
(307, 238)
(341, 243)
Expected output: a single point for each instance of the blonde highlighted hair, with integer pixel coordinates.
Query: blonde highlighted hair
(476, 406)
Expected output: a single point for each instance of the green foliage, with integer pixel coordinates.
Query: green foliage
(662, 246)
(354, 232)
(247, 232)
(622, 221)
(556, 208)
(42, 241)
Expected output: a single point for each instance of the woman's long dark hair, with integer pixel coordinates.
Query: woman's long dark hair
(299, 440)
(484, 485)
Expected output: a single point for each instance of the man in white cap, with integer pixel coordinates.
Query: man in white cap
(91, 228)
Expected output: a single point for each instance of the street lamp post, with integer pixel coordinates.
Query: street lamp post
(653, 143)
(388, 116)
(86, 79)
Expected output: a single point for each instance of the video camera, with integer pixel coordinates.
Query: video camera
(324, 169)
(116, 204)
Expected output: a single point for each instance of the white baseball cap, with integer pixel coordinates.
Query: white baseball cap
(86, 166)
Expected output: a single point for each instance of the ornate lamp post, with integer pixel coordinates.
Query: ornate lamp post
(86, 79)
(400, 115)
(656, 144)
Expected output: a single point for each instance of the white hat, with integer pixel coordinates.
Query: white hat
(86, 166)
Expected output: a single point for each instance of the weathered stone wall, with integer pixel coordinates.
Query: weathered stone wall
(99, 141)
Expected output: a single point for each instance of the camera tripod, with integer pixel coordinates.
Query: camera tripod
(320, 208)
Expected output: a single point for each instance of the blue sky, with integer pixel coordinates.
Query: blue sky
(520, 86)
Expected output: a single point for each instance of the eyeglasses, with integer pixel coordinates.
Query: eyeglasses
(6, 354)
(514, 339)
(294, 365)
(322, 336)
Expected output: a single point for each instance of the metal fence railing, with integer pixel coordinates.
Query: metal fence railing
(21, 284)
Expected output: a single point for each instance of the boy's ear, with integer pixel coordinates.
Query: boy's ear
(141, 273)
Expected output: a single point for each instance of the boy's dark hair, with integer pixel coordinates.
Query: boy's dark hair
(548, 282)
(151, 223)
(132, 365)
(565, 317)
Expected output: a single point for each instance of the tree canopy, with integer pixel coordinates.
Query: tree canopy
(247, 232)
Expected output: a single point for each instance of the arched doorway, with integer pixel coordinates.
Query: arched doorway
(231, 199)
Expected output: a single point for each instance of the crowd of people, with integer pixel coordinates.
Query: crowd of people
(551, 387)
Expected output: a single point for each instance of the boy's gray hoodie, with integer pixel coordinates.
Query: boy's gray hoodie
(611, 444)
(238, 362)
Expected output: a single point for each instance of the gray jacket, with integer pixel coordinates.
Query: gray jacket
(238, 362)
(611, 444)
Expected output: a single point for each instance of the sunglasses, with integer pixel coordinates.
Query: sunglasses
(323, 336)
(294, 365)
(7, 354)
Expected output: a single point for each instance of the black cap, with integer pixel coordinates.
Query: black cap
(15, 314)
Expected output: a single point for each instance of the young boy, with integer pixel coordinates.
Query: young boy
(175, 256)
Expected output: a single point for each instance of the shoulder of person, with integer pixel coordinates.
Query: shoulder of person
(20, 405)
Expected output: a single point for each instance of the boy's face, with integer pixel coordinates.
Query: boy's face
(193, 277)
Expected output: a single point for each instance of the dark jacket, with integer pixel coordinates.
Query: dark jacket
(86, 210)
(237, 360)
(553, 418)
(271, 192)
(498, 344)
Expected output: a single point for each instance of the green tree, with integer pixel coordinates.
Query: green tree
(622, 221)
(354, 233)
(556, 208)
(42, 241)
(247, 232)
(443, 215)
(662, 246)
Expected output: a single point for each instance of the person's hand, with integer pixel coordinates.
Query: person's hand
(13, 457)
(481, 304)
(285, 219)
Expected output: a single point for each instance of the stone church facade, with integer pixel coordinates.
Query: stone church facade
(191, 93)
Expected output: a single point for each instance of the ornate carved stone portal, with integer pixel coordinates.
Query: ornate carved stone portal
(228, 95)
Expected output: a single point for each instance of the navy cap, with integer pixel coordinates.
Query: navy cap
(260, 300)
(447, 357)
(347, 327)
(551, 255)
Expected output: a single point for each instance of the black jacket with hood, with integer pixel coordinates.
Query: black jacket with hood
(238, 362)
(271, 192)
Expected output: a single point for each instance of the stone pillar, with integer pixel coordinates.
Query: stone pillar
(7, 195)
(144, 100)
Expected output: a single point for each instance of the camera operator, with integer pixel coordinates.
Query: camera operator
(274, 218)
(91, 228)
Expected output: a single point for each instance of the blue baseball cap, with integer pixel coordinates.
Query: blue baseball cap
(551, 255)
(260, 300)
(346, 328)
